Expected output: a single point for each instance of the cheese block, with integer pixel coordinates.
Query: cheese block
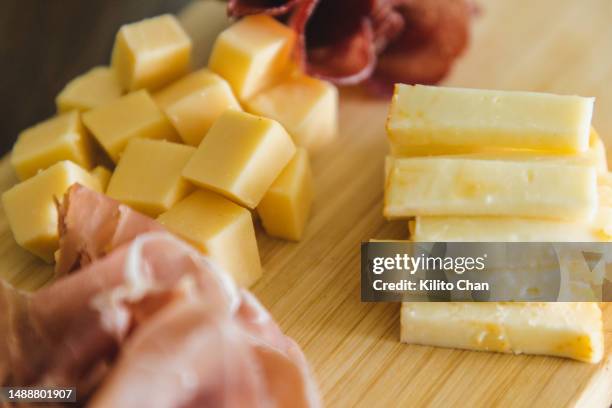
(148, 175)
(455, 118)
(134, 115)
(30, 207)
(96, 87)
(307, 107)
(240, 157)
(285, 208)
(103, 175)
(151, 53)
(459, 186)
(62, 137)
(194, 102)
(572, 330)
(252, 54)
(220, 229)
(594, 156)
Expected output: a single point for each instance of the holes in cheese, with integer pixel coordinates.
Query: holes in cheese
(148, 175)
(307, 107)
(572, 330)
(59, 138)
(220, 229)
(252, 53)
(240, 157)
(31, 211)
(459, 186)
(134, 115)
(460, 120)
(194, 102)
(96, 87)
(151, 53)
(285, 208)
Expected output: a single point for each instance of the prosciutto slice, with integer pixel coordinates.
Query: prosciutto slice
(151, 323)
(381, 41)
(91, 225)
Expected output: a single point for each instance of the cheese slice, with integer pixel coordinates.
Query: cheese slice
(460, 186)
(572, 330)
(453, 118)
(594, 156)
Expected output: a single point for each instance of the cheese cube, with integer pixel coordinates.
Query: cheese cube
(148, 175)
(457, 186)
(252, 54)
(96, 87)
(240, 157)
(30, 207)
(59, 138)
(103, 175)
(307, 107)
(285, 208)
(452, 118)
(194, 102)
(132, 116)
(572, 330)
(220, 229)
(151, 53)
(597, 152)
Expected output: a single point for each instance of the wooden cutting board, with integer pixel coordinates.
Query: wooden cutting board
(312, 288)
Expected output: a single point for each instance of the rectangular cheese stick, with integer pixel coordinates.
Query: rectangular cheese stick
(572, 330)
(440, 118)
(515, 229)
(594, 156)
(471, 187)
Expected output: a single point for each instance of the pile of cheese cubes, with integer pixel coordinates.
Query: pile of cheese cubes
(196, 149)
(480, 165)
(493, 166)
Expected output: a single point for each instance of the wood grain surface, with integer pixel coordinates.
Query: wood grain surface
(312, 287)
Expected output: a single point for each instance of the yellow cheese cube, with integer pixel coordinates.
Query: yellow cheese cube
(305, 106)
(459, 186)
(454, 118)
(96, 87)
(132, 116)
(151, 53)
(194, 102)
(148, 175)
(240, 157)
(252, 54)
(31, 211)
(285, 208)
(220, 229)
(59, 138)
(103, 175)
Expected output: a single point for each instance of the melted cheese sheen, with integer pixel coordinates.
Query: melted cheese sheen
(572, 330)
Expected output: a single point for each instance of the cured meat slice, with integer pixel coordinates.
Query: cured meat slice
(433, 35)
(119, 316)
(91, 225)
(335, 41)
(239, 8)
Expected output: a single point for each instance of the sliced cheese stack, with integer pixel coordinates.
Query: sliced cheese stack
(176, 144)
(498, 166)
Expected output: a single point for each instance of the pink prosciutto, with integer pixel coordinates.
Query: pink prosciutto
(152, 323)
(378, 41)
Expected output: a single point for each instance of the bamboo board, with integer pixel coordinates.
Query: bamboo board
(312, 287)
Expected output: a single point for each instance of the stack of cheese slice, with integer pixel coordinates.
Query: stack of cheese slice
(477, 165)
